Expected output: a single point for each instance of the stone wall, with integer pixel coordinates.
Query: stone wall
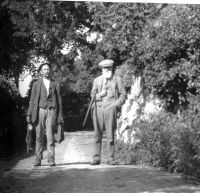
(137, 107)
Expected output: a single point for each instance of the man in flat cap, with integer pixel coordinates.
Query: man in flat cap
(45, 109)
(109, 94)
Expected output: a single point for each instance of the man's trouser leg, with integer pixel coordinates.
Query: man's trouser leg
(50, 135)
(98, 123)
(40, 131)
(110, 125)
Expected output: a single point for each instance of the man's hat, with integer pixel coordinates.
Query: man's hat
(106, 63)
(40, 66)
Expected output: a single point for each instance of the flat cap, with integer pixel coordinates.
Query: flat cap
(106, 63)
(40, 66)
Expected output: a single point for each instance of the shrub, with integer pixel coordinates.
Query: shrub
(12, 127)
(169, 141)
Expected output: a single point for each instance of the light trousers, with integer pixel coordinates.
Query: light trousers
(45, 126)
(104, 118)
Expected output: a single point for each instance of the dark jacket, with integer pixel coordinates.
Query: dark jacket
(54, 90)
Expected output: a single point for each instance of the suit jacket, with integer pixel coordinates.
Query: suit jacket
(54, 90)
(117, 87)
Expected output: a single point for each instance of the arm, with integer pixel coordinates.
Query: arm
(60, 106)
(121, 92)
(95, 91)
(31, 102)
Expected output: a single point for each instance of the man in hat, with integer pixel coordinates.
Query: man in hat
(109, 94)
(45, 109)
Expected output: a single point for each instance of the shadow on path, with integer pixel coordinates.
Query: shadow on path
(73, 174)
(82, 178)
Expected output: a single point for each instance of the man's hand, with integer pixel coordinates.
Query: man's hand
(60, 120)
(30, 127)
(103, 93)
(28, 119)
(118, 105)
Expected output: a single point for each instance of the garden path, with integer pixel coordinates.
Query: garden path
(73, 173)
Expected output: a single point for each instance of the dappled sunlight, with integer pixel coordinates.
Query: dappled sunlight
(112, 179)
(74, 174)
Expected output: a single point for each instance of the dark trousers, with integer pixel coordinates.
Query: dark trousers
(104, 118)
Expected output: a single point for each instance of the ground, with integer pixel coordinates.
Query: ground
(73, 173)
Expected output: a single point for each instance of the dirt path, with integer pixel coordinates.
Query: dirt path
(73, 174)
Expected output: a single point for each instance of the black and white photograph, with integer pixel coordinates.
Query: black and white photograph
(99, 96)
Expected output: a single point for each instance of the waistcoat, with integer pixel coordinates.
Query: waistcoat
(110, 97)
(44, 100)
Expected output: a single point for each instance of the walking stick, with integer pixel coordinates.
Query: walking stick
(88, 110)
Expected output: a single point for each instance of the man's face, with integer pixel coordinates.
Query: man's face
(45, 71)
(107, 72)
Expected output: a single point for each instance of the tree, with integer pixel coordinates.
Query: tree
(158, 41)
(41, 28)
(15, 46)
(169, 52)
(120, 25)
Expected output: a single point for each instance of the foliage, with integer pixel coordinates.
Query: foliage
(169, 52)
(14, 49)
(120, 24)
(78, 80)
(11, 116)
(42, 28)
(169, 141)
(158, 41)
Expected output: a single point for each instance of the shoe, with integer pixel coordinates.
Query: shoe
(51, 160)
(112, 162)
(52, 163)
(37, 163)
(93, 163)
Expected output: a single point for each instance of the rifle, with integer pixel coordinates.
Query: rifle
(88, 110)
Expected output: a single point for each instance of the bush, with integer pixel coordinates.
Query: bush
(12, 127)
(169, 141)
